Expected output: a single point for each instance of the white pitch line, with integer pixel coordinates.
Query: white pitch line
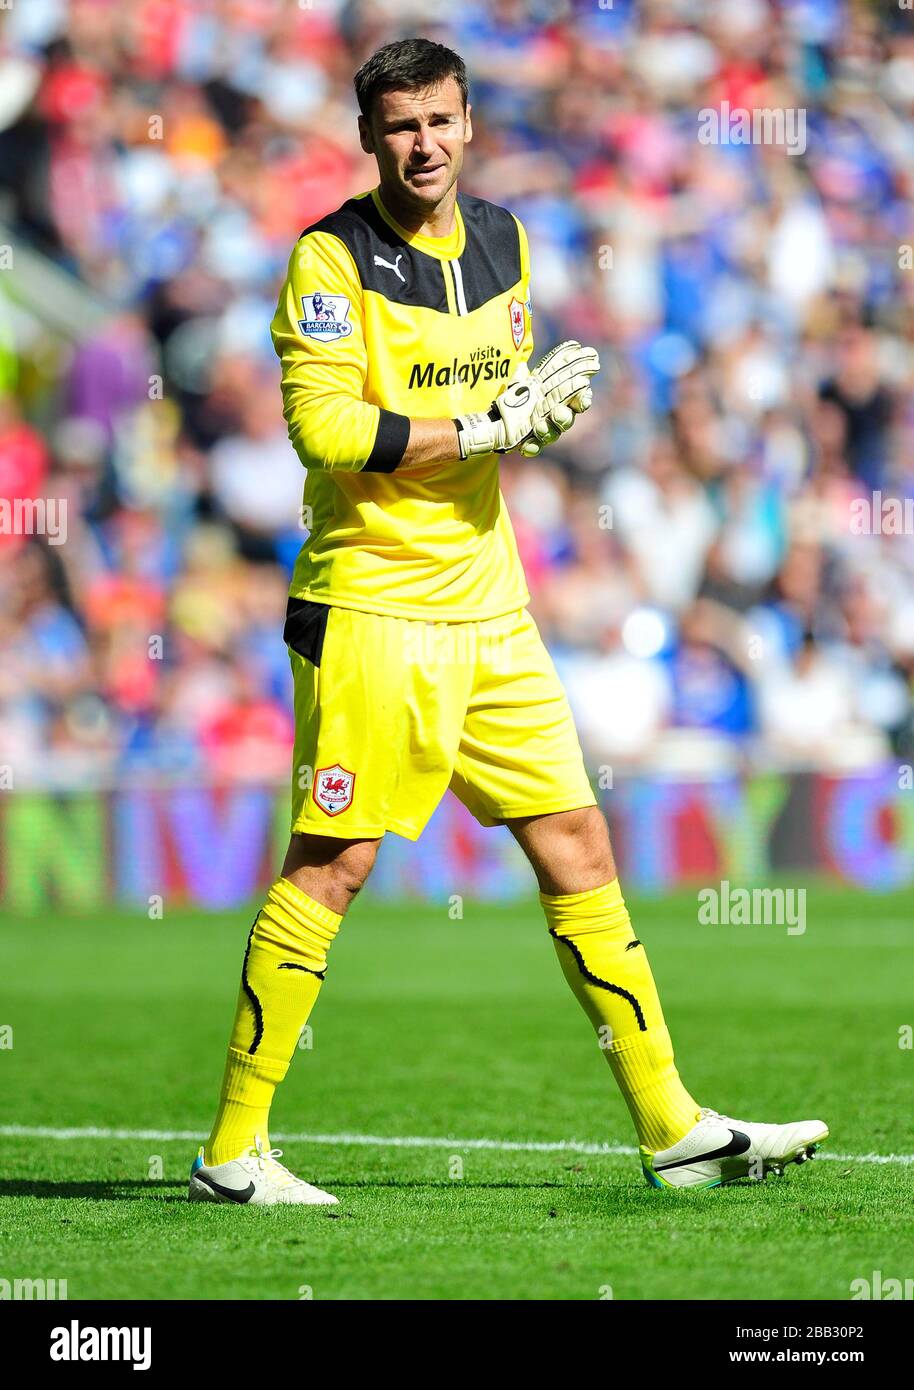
(393, 1141)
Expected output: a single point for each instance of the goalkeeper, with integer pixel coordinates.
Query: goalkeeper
(404, 331)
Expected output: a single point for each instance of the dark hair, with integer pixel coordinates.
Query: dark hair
(413, 64)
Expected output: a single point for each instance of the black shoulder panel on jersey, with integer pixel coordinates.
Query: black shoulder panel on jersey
(389, 266)
(386, 263)
(490, 263)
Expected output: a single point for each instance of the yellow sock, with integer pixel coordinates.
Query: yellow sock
(281, 977)
(607, 969)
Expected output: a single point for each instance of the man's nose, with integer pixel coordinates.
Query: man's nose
(425, 143)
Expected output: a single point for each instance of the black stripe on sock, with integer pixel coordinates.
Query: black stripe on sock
(601, 984)
(252, 997)
(287, 965)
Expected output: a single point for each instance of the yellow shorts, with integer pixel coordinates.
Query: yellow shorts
(390, 712)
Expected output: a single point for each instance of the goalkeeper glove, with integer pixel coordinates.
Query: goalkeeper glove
(509, 420)
(565, 374)
(535, 407)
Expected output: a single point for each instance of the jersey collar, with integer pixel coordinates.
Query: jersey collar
(445, 248)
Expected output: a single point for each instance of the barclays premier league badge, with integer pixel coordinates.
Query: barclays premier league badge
(325, 316)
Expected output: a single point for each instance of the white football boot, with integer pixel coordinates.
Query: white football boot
(718, 1150)
(254, 1179)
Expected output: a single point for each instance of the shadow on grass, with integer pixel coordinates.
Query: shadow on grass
(128, 1189)
(137, 1189)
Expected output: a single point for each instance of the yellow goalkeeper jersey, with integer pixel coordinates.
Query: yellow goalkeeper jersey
(375, 325)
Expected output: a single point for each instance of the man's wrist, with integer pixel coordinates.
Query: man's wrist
(430, 441)
(477, 432)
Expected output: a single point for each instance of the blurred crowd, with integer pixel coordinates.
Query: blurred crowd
(695, 549)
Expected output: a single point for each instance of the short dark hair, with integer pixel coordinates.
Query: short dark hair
(410, 64)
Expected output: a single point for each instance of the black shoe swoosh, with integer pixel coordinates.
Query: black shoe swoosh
(739, 1143)
(233, 1194)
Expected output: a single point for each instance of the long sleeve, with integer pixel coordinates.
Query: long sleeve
(319, 336)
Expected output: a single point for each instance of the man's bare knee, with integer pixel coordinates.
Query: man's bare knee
(328, 869)
(570, 851)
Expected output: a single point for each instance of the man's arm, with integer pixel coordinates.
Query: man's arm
(527, 416)
(430, 441)
(318, 335)
(325, 365)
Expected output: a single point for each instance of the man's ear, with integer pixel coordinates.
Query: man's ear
(468, 132)
(365, 139)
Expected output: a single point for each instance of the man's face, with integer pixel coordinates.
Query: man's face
(418, 140)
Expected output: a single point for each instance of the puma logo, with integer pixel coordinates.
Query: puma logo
(395, 267)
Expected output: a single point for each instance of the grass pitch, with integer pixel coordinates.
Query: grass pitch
(453, 1031)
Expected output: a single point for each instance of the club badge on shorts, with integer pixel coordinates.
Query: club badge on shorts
(516, 310)
(333, 789)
